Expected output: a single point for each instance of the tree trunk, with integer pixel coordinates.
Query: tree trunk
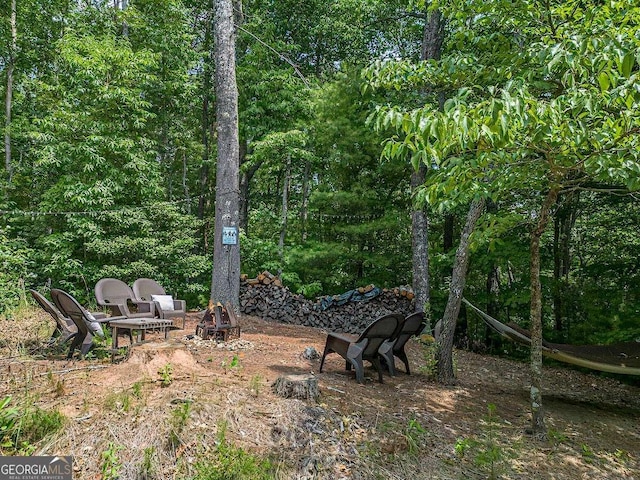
(447, 235)
(446, 375)
(420, 249)
(185, 185)
(284, 211)
(225, 283)
(304, 207)
(493, 291)
(203, 200)
(9, 92)
(563, 222)
(245, 191)
(432, 38)
(537, 412)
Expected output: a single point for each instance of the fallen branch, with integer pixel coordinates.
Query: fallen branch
(67, 370)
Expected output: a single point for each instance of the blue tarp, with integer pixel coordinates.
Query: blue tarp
(350, 296)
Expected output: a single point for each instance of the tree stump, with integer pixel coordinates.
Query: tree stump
(297, 386)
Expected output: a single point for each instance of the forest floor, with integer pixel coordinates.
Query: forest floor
(122, 420)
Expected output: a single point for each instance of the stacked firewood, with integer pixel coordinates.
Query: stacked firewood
(266, 297)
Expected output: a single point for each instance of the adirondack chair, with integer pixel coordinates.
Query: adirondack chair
(394, 347)
(116, 295)
(355, 349)
(86, 324)
(148, 290)
(65, 327)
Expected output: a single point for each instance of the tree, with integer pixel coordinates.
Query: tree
(10, 67)
(432, 39)
(559, 118)
(225, 284)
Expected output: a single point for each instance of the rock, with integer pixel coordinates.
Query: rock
(310, 353)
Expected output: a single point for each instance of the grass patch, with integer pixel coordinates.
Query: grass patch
(227, 462)
(22, 426)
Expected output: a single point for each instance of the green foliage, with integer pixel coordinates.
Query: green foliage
(166, 375)
(255, 384)
(178, 421)
(488, 453)
(148, 467)
(94, 117)
(430, 358)
(7, 421)
(232, 364)
(227, 461)
(550, 107)
(16, 263)
(119, 401)
(23, 426)
(414, 434)
(111, 464)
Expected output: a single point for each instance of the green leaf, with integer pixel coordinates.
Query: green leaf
(604, 81)
(627, 65)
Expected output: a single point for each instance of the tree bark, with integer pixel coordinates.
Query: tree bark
(420, 249)
(537, 412)
(432, 36)
(446, 374)
(8, 101)
(225, 283)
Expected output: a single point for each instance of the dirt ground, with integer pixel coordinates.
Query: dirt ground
(409, 427)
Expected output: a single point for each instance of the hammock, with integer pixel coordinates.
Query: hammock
(622, 358)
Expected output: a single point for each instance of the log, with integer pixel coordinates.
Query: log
(304, 387)
(268, 275)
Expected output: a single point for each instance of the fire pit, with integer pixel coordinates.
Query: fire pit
(218, 323)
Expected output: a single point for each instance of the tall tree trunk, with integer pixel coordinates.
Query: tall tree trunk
(432, 38)
(225, 283)
(304, 207)
(203, 197)
(185, 185)
(284, 212)
(493, 290)
(8, 101)
(420, 248)
(537, 412)
(447, 234)
(245, 186)
(563, 222)
(446, 375)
